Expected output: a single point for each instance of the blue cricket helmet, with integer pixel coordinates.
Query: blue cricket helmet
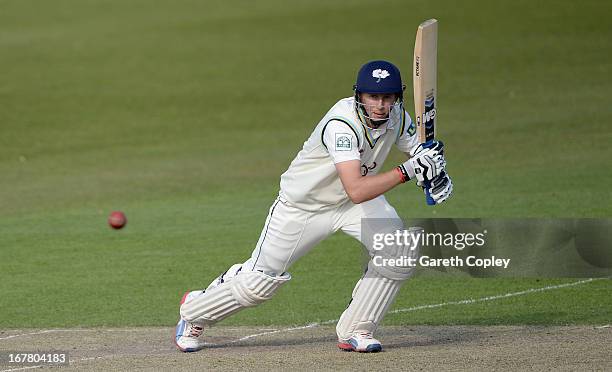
(379, 77)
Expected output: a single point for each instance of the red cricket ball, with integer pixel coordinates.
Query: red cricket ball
(117, 220)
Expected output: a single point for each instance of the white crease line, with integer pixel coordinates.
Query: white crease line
(314, 325)
(68, 330)
(22, 368)
(415, 308)
(492, 298)
(29, 334)
(57, 365)
(41, 332)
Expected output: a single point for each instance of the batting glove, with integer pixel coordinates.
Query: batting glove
(441, 188)
(425, 163)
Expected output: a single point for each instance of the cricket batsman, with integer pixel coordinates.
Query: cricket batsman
(333, 184)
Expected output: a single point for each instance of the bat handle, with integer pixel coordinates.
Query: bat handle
(428, 197)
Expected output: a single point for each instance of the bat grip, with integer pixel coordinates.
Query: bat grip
(428, 197)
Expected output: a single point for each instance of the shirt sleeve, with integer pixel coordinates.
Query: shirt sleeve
(407, 138)
(341, 141)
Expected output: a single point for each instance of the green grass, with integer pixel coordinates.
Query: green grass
(184, 115)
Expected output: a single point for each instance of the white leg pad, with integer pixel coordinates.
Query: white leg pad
(246, 289)
(372, 297)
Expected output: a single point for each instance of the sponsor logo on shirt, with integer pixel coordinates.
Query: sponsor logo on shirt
(343, 142)
(365, 169)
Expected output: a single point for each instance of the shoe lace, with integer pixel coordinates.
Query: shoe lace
(195, 331)
(365, 335)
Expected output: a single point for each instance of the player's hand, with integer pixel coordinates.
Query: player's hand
(441, 188)
(425, 163)
(437, 146)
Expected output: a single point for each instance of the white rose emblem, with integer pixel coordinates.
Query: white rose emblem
(380, 74)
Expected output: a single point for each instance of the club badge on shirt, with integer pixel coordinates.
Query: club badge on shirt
(343, 142)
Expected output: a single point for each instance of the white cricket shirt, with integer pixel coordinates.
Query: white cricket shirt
(312, 182)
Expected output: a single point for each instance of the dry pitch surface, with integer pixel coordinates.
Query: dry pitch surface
(406, 348)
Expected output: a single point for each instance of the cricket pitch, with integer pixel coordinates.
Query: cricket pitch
(405, 348)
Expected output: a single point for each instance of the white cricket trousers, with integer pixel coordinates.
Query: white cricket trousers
(289, 232)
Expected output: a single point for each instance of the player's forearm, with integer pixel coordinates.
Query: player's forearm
(366, 188)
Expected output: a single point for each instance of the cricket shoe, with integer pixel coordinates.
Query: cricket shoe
(188, 335)
(361, 342)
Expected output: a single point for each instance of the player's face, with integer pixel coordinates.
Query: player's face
(378, 105)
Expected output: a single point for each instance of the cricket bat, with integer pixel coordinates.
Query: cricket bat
(424, 83)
